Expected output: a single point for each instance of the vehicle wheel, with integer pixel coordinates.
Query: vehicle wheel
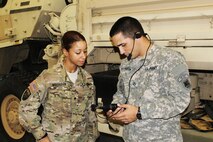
(10, 94)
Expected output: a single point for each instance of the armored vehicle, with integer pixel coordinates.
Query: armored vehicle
(22, 42)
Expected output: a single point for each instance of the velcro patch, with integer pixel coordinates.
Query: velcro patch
(182, 76)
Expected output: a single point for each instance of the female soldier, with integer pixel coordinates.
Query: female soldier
(66, 92)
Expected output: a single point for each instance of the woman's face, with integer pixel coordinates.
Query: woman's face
(77, 53)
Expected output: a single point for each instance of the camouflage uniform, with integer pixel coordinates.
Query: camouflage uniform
(162, 90)
(67, 116)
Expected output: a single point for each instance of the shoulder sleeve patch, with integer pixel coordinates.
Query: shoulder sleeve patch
(33, 87)
(182, 76)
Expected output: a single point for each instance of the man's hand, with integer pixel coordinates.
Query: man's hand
(45, 139)
(110, 113)
(125, 113)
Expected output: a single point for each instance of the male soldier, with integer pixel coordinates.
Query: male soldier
(153, 87)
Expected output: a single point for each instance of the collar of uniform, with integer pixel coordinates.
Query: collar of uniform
(137, 62)
(59, 67)
(80, 76)
(151, 53)
(132, 64)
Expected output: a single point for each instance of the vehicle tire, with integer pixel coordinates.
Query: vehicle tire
(11, 89)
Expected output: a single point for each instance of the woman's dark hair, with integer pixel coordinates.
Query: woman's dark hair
(128, 26)
(70, 37)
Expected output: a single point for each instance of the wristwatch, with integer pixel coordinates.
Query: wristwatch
(138, 115)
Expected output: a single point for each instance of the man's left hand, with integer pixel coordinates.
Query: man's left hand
(128, 115)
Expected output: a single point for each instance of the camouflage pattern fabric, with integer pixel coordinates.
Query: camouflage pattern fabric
(162, 90)
(67, 116)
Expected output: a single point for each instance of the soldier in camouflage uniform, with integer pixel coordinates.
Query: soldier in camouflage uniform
(153, 88)
(66, 92)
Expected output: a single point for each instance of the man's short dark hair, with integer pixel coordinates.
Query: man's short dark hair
(128, 26)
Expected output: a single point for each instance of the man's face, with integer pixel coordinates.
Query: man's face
(77, 53)
(125, 44)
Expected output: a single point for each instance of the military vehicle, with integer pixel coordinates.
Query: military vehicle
(30, 32)
(22, 42)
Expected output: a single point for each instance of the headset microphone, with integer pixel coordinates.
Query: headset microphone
(129, 56)
(136, 36)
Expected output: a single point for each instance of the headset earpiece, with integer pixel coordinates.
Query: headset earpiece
(136, 36)
(139, 35)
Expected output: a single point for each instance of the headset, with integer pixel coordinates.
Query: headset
(137, 35)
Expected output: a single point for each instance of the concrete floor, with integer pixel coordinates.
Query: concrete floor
(196, 136)
(188, 136)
